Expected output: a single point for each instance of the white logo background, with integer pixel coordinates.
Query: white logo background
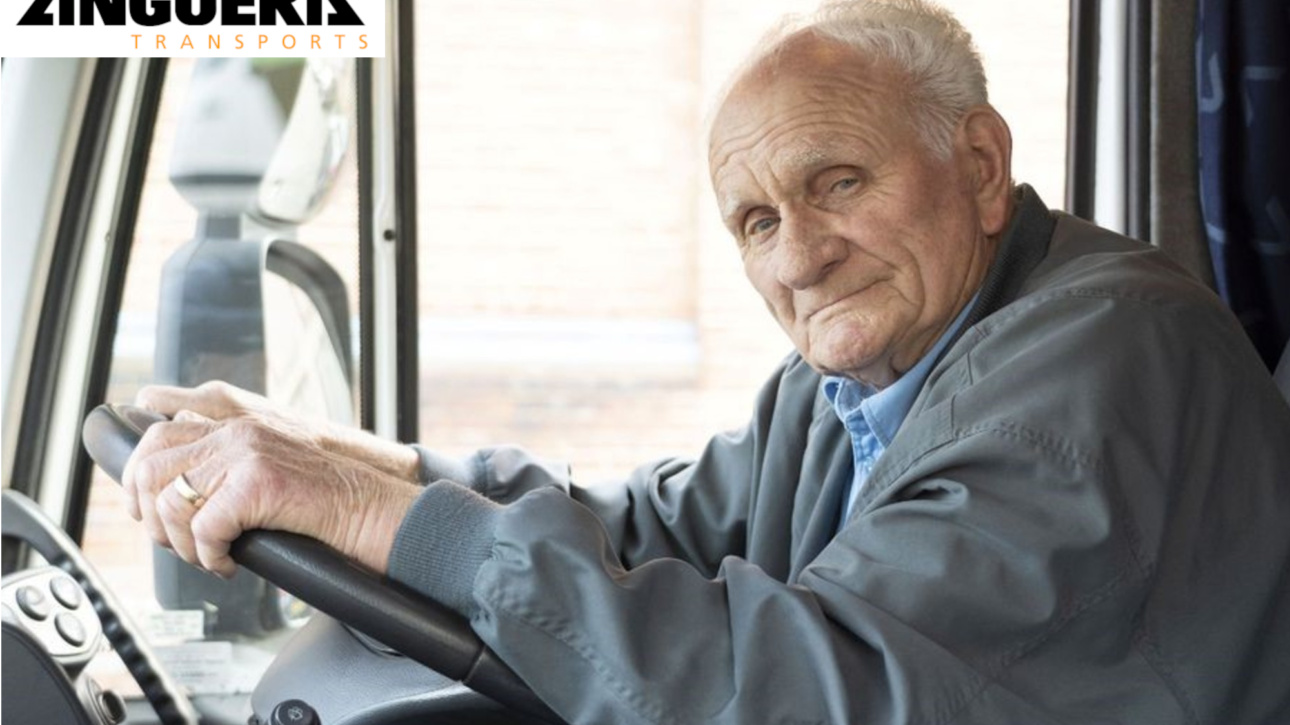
(174, 39)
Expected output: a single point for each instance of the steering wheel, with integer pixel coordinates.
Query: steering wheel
(27, 522)
(419, 628)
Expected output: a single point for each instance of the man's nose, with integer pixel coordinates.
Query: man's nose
(808, 250)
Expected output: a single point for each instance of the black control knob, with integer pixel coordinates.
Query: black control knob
(294, 712)
(112, 707)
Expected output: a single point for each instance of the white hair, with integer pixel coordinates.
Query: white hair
(919, 39)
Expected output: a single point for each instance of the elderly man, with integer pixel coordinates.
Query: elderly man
(1020, 470)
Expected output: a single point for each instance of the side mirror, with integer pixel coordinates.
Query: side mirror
(261, 137)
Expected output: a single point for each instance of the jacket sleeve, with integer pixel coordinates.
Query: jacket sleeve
(910, 615)
(693, 509)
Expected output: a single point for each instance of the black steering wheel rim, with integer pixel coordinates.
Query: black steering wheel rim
(414, 625)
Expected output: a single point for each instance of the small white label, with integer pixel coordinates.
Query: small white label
(203, 668)
(174, 625)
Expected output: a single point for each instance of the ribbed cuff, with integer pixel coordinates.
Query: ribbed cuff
(443, 541)
(436, 466)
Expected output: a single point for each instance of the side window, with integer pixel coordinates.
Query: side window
(243, 269)
(579, 295)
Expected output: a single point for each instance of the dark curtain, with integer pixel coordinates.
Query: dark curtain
(1242, 56)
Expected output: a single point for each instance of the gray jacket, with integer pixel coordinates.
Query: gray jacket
(1084, 519)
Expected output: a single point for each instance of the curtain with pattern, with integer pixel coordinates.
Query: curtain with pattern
(1243, 98)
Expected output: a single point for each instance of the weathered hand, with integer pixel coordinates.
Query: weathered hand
(256, 475)
(220, 401)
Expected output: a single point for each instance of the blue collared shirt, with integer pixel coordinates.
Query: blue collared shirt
(872, 416)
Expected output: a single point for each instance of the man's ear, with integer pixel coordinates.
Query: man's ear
(985, 140)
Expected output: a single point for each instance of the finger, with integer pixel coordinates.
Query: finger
(139, 480)
(215, 527)
(151, 520)
(177, 510)
(160, 458)
(176, 514)
(215, 399)
(165, 399)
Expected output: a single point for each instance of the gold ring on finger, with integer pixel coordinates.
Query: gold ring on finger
(190, 494)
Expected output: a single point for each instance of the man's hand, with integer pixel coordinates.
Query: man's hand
(253, 473)
(220, 401)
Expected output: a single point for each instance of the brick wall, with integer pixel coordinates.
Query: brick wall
(562, 176)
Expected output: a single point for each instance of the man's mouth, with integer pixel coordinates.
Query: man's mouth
(835, 302)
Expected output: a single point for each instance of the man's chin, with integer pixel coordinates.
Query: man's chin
(851, 366)
(844, 349)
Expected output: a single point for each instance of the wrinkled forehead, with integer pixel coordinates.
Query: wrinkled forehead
(804, 67)
(812, 84)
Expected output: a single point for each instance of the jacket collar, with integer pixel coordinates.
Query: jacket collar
(1023, 246)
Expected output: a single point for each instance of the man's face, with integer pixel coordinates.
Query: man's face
(862, 241)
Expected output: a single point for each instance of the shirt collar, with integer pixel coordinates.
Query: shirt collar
(883, 411)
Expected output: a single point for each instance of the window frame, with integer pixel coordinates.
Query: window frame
(101, 197)
(390, 367)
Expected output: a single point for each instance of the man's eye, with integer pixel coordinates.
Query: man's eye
(759, 226)
(846, 184)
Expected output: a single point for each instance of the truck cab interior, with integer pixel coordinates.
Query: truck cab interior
(501, 231)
